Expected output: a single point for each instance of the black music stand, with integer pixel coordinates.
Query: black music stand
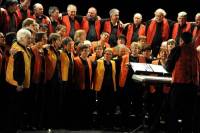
(142, 75)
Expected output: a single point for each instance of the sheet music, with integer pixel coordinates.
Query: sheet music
(140, 67)
(158, 68)
(143, 67)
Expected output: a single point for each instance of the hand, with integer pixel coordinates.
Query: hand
(124, 25)
(198, 48)
(19, 88)
(13, 51)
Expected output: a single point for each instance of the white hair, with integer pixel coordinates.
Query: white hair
(36, 5)
(182, 14)
(23, 33)
(197, 15)
(160, 11)
(71, 6)
(113, 11)
(138, 14)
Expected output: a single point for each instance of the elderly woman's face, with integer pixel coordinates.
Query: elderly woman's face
(26, 41)
(163, 54)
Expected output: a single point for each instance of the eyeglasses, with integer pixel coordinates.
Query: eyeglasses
(86, 50)
(108, 53)
(170, 44)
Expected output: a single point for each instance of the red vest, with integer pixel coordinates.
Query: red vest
(51, 28)
(124, 69)
(66, 22)
(6, 18)
(130, 32)
(85, 26)
(196, 37)
(176, 27)
(36, 75)
(20, 14)
(107, 28)
(152, 30)
(80, 73)
(50, 64)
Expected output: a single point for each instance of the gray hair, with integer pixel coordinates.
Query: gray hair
(23, 33)
(52, 9)
(28, 22)
(160, 11)
(182, 14)
(113, 11)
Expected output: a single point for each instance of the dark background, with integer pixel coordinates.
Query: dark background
(128, 7)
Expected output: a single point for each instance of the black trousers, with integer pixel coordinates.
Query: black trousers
(182, 103)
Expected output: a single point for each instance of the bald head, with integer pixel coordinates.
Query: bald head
(92, 13)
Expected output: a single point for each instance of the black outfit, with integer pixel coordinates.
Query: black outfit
(91, 35)
(113, 35)
(106, 99)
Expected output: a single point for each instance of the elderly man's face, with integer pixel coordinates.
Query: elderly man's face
(181, 20)
(137, 19)
(159, 17)
(39, 10)
(197, 20)
(92, 13)
(115, 17)
(55, 14)
(72, 12)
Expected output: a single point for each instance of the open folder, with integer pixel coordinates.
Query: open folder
(151, 68)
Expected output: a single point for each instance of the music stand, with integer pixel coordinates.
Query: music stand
(142, 74)
(144, 68)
